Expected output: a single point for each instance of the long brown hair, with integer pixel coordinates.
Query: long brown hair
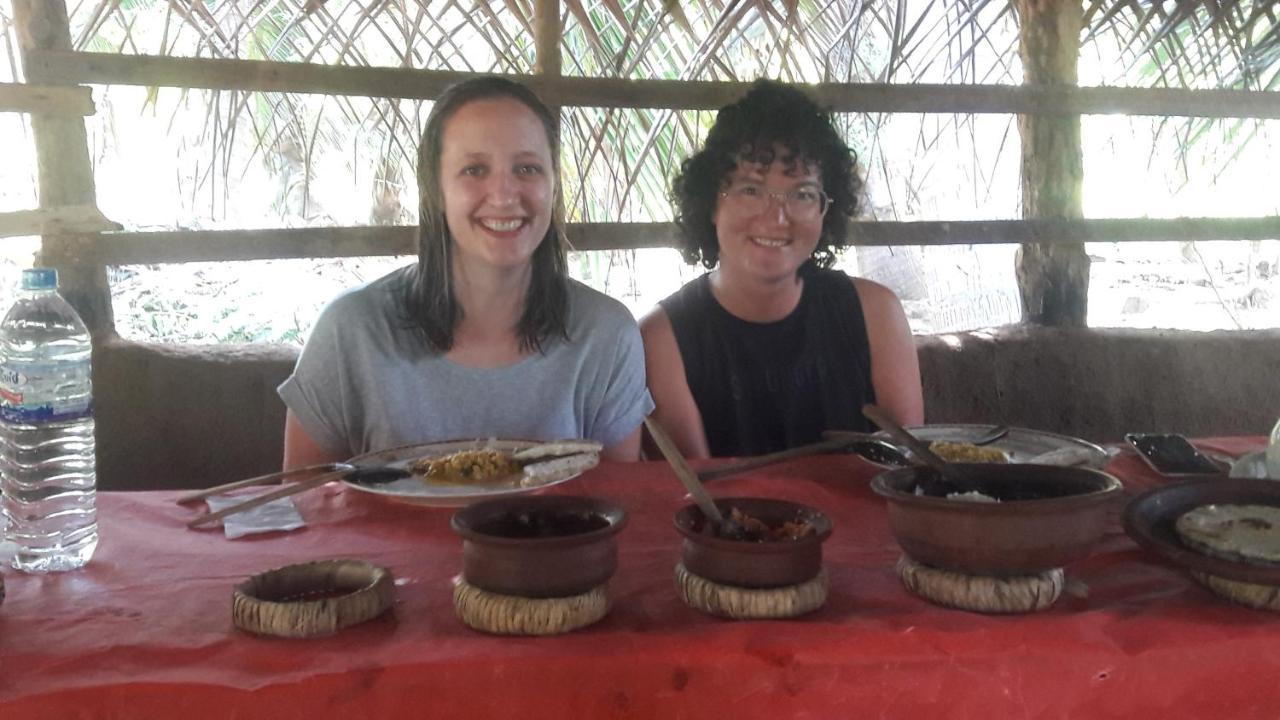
(429, 301)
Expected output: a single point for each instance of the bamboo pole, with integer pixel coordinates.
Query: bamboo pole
(1053, 277)
(65, 173)
(410, 83)
(134, 248)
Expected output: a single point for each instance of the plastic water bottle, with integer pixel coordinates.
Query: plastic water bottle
(46, 430)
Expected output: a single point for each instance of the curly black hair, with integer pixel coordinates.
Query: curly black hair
(771, 113)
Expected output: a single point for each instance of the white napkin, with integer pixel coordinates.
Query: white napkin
(275, 516)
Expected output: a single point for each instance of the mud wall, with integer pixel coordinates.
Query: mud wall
(182, 417)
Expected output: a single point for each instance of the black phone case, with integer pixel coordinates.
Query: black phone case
(1171, 454)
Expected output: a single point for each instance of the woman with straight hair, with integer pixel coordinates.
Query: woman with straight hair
(486, 335)
(771, 347)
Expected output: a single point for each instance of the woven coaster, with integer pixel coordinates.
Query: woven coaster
(738, 603)
(513, 615)
(312, 599)
(1258, 597)
(1018, 594)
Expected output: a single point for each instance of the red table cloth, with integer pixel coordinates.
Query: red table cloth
(145, 630)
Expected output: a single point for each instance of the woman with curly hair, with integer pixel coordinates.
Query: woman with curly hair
(771, 347)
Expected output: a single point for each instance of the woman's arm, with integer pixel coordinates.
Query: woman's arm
(895, 366)
(626, 451)
(675, 407)
(300, 450)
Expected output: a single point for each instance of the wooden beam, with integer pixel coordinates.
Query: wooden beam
(47, 99)
(64, 171)
(136, 248)
(263, 76)
(55, 221)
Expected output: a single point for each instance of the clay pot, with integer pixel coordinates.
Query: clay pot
(1047, 517)
(539, 547)
(767, 564)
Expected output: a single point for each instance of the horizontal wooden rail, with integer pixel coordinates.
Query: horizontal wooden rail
(129, 248)
(264, 76)
(66, 219)
(49, 100)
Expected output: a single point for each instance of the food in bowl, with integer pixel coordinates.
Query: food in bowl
(1047, 516)
(763, 564)
(550, 546)
(1233, 532)
(756, 530)
(962, 452)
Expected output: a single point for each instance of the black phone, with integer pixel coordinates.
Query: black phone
(1170, 454)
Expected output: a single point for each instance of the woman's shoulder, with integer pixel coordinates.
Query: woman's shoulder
(377, 295)
(591, 308)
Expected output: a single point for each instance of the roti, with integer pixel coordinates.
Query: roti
(1233, 532)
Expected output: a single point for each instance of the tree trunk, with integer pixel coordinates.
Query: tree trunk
(1053, 279)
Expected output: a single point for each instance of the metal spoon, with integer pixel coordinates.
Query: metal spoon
(725, 527)
(992, 435)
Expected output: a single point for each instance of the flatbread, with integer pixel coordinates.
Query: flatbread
(561, 447)
(1233, 532)
(541, 473)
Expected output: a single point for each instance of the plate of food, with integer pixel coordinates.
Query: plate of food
(954, 443)
(1226, 528)
(459, 472)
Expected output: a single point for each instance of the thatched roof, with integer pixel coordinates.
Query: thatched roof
(619, 162)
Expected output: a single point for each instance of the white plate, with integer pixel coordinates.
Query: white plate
(416, 492)
(1020, 445)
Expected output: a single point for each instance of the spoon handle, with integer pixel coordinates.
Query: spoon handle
(917, 447)
(683, 471)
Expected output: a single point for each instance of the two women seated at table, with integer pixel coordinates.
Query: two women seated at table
(771, 347)
(486, 336)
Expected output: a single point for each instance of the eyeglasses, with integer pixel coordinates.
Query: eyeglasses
(801, 204)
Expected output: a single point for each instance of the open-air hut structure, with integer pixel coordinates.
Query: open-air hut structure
(192, 416)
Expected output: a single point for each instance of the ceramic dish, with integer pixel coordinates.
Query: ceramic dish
(1150, 519)
(1020, 445)
(1047, 516)
(415, 491)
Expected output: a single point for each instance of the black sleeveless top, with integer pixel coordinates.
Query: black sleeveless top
(763, 387)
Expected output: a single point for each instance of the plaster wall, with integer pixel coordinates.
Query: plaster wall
(187, 417)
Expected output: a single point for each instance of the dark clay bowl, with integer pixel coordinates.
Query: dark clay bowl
(766, 564)
(539, 547)
(1048, 517)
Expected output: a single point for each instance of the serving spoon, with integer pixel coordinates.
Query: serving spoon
(725, 527)
(920, 450)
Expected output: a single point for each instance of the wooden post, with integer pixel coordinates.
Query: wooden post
(65, 173)
(546, 64)
(546, 38)
(1053, 279)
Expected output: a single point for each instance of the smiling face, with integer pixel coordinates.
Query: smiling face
(769, 243)
(496, 178)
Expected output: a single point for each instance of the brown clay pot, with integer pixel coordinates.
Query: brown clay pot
(753, 564)
(539, 547)
(1048, 517)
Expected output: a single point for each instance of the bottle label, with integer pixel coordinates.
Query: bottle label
(36, 393)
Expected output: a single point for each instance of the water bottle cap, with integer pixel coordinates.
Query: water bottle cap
(40, 279)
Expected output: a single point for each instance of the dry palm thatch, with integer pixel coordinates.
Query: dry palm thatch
(626, 157)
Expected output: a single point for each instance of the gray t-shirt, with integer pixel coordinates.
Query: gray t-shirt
(355, 390)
